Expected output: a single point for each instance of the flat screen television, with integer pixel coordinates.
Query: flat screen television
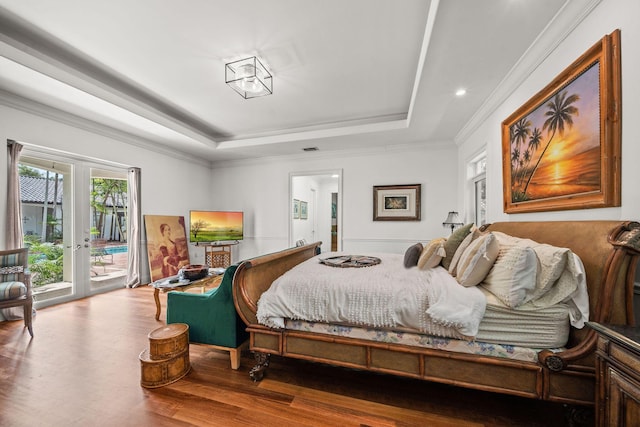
(215, 226)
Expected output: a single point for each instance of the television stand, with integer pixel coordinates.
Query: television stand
(218, 255)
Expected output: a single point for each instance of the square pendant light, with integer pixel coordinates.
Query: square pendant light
(249, 78)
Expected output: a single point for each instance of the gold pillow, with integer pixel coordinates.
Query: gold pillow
(477, 260)
(432, 254)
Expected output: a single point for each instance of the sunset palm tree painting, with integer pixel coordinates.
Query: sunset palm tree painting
(555, 149)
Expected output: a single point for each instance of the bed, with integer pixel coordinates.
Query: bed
(555, 365)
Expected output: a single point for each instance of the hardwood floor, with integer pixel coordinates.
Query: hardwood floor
(82, 369)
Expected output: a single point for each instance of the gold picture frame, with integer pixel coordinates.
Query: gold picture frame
(167, 246)
(396, 202)
(561, 149)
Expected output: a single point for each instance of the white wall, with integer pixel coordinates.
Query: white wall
(170, 185)
(261, 189)
(604, 19)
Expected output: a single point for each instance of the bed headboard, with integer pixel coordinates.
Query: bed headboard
(609, 251)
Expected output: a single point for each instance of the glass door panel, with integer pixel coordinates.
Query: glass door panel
(47, 220)
(108, 229)
(77, 235)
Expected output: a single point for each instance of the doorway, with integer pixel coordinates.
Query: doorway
(316, 209)
(74, 220)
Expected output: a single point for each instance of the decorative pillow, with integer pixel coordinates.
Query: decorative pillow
(477, 260)
(513, 275)
(453, 242)
(12, 290)
(475, 233)
(552, 261)
(412, 255)
(432, 254)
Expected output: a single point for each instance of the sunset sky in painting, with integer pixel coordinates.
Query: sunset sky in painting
(584, 134)
(217, 220)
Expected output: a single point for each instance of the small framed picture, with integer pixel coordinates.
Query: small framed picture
(396, 202)
(296, 209)
(303, 210)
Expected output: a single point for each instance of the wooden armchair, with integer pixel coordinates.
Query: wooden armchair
(15, 283)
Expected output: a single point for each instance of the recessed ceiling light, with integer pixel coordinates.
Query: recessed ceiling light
(461, 92)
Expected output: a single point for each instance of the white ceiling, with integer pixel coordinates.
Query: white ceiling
(348, 74)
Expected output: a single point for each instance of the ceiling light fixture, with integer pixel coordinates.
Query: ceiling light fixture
(461, 92)
(249, 77)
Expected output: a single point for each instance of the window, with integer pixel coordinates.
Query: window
(477, 179)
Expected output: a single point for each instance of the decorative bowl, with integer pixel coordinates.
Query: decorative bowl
(194, 271)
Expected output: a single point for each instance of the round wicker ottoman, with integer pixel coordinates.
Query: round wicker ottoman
(167, 358)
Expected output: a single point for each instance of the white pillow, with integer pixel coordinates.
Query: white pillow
(552, 259)
(513, 274)
(477, 260)
(432, 254)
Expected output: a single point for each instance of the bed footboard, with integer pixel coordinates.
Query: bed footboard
(254, 276)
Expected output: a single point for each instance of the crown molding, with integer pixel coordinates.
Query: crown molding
(342, 154)
(36, 49)
(572, 13)
(28, 106)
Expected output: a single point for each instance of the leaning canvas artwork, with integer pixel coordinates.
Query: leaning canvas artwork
(167, 246)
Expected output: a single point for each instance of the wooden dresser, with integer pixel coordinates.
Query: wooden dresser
(617, 375)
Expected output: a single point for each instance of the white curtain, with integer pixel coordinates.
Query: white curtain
(134, 228)
(14, 238)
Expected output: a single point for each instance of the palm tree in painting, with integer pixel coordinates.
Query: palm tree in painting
(526, 159)
(532, 147)
(519, 132)
(515, 155)
(559, 116)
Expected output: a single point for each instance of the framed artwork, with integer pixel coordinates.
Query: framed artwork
(561, 149)
(303, 210)
(396, 202)
(296, 209)
(167, 246)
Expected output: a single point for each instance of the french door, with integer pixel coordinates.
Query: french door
(74, 221)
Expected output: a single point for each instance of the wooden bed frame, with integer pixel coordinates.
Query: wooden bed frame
(609, 251)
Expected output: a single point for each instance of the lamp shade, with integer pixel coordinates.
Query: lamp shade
(452, 220)
(249, 77)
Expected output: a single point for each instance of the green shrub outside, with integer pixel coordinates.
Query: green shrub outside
(45, 261)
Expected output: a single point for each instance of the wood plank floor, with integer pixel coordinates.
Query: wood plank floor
(82, 369)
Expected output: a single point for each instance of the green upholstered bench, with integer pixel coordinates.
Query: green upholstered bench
(211, 317)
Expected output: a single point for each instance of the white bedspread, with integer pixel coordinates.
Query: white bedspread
(385, 295)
